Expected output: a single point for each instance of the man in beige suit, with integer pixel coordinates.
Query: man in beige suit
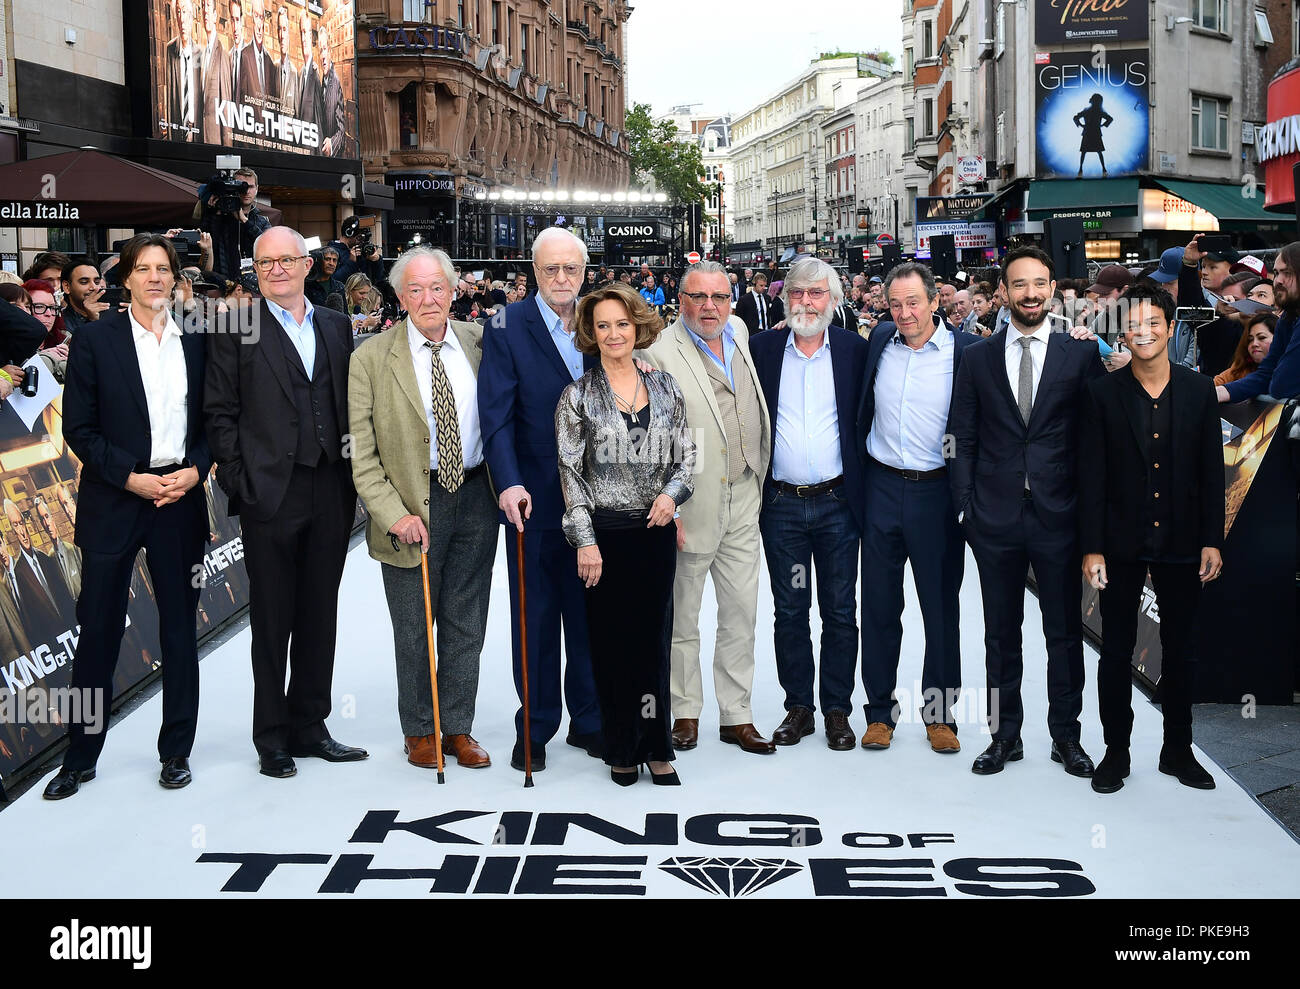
(417, 462)
(708, 353)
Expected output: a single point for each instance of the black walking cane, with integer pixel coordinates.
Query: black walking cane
(523, 649)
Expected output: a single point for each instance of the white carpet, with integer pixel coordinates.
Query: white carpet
(927, 825)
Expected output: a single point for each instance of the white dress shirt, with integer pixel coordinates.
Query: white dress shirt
(166, 389)
(913, 391)
(1037, 354)
(464, 387)
(807, 448)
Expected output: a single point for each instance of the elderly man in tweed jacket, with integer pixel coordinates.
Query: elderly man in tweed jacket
(417, 461)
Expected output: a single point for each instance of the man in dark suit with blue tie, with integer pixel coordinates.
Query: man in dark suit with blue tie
(812, 498)
(132, 413)
(529, 357)
(1015, 422)
(911, 371)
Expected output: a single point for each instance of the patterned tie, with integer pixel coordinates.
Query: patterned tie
(451, 460)
(1025, 393)
(187, 89)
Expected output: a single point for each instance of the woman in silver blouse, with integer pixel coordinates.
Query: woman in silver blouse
(626, 463)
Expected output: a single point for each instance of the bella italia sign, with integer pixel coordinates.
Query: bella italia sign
(41, 211)
(1065, 21)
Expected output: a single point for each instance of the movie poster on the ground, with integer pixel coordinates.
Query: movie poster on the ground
(40, 578)
(255, 74)
(1066, 21)
(1092, 118)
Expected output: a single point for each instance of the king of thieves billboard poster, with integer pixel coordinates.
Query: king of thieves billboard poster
(248, 74)
(1092, 113)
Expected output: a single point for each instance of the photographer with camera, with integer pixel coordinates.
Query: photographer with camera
(357, 253)
(228, 211)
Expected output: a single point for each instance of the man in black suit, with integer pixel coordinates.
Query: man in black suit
(309, 91)
(911, 374)
(44, 601)
(238, 50)
(184, 78)
(811, 379)
(757, 311)
(258, 74)
(333, 121)
(1150, 501)
(21, 335)
(1014, 479)
(217, 78)
(276, 406)
(131, 414)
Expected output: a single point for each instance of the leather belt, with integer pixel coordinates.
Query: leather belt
(808, 490)
(912, 475)
(162, 470)
(470, 474)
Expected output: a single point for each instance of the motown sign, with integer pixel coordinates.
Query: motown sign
(255, 74)
(1065, 21)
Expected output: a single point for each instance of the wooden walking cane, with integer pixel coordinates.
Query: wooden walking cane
(433, 668)
(523, 649)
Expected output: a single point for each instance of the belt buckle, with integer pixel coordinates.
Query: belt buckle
(911, 475)
(799, 490)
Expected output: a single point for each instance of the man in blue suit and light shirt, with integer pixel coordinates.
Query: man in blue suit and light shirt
(811, 378)
(912, 366)
(529, 358)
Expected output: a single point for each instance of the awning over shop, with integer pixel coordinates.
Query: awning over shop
(991, 209)
(1083, 199)
(1228, 201)
(90, 188)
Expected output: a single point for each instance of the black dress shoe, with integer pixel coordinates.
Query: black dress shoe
(593, 743)
(839, 736)
(330, 750)
(1112, 771)
(1179, 761)
(66, 782)
(176, 773)
(798, 723)
(538, 753)
(277, 764)
(997, 755)
(1071, 755)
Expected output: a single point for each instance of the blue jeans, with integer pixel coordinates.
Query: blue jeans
(798, 534)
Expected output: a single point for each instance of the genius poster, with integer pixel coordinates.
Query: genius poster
(1093, 115)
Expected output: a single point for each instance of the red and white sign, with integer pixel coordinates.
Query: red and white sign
(693, 257)
(970, 169)
(1276, 146)
(884, 240)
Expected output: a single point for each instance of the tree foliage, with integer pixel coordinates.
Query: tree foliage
(674, 166)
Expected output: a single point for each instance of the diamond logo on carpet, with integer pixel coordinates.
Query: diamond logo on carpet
(729, 877)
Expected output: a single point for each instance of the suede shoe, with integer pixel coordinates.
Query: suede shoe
(538, 753)
(593, 743)
(942, 739)
(1113, 770)
(1178, 761)
(878, 736)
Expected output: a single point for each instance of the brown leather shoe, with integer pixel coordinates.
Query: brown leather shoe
(878, 736)
(943, 739)
(839, 736)
(686, 733)
(747, 737)
(420, 751)
(798, 723)
(466, 751)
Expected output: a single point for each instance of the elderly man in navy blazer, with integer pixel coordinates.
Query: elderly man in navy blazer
(1015, 478)
(529, 357)
(912, 366)
(811, 378)
(133, 415)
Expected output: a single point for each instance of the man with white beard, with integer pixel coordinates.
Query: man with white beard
(812, 377)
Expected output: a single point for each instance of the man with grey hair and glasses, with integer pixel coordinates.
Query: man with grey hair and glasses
(812, 376)
(707, 352)
(417, 461)
(277, 407)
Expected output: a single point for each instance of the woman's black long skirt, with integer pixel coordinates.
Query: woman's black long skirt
(629, 627)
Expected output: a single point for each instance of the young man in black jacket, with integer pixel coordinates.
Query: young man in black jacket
(1150, 500)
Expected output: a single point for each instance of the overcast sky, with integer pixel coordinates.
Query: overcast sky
(727, 55)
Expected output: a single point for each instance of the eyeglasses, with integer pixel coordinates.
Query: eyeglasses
(288, 264)
(814, 294)
(551, 270)
(40, 309)
(719, 299)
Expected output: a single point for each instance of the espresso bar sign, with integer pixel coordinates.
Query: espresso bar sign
(1065, 21)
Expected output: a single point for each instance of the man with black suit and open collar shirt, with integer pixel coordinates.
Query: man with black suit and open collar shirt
(276, 406)
(1150, 500)
(1014, 476)
(132, 415)
(911, 373)
(811, 379)
(757, 311)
